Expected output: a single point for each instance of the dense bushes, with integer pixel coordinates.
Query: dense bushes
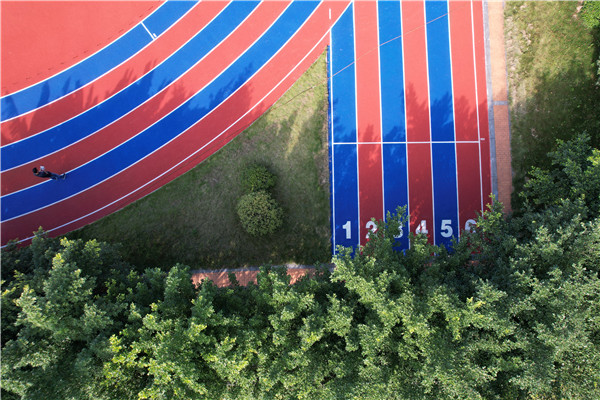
(590, 14)
(259, 212)
(256, 178)
(523, 322)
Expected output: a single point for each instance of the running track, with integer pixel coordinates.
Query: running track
(169, 83)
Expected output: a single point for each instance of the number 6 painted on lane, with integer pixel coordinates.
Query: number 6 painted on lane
(470, 224)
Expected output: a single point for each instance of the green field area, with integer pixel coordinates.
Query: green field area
(552, 54)
(193, 219)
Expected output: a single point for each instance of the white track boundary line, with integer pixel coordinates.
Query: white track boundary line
(330, 103)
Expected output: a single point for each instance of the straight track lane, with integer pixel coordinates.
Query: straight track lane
(418, 134)
(368, 116)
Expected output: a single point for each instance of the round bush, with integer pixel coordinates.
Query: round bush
(256, 178)
(259, 213)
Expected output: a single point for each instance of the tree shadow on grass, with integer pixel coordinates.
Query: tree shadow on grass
(561, 106)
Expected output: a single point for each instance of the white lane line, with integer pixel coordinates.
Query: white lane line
(152, 35)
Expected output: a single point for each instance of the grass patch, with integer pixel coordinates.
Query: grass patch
(193, 220)
(551, 56)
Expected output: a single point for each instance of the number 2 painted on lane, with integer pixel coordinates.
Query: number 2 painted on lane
(372, 227)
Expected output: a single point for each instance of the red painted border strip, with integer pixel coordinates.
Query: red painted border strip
(246, 276)
(483, 100)
(368, 114)
(154, 109)
(417, 116)
(71, 31)
(128, 186)
(107, 85)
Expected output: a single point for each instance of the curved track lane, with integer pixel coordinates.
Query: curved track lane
(97, 64)
(115, 80)
(278, 74)
(157, 107)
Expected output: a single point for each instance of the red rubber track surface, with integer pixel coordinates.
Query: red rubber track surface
(70, 34)
(157, 107)
(197, 143)
(465, 111)
(417, 115)
(368, 114)
(107, 85)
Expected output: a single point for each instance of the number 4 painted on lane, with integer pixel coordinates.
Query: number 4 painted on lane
(422, 228)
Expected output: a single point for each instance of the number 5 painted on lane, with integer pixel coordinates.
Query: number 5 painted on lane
(446, 228)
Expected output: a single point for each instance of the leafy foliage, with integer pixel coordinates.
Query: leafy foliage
(256, 178)
(512, 312)
(590, 14)
(259, 213)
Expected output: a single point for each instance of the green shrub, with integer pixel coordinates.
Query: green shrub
(590, 14)
(256, 178)
(259, 213)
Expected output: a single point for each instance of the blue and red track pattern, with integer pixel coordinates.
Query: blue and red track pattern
(181, 80)
(408, 118)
